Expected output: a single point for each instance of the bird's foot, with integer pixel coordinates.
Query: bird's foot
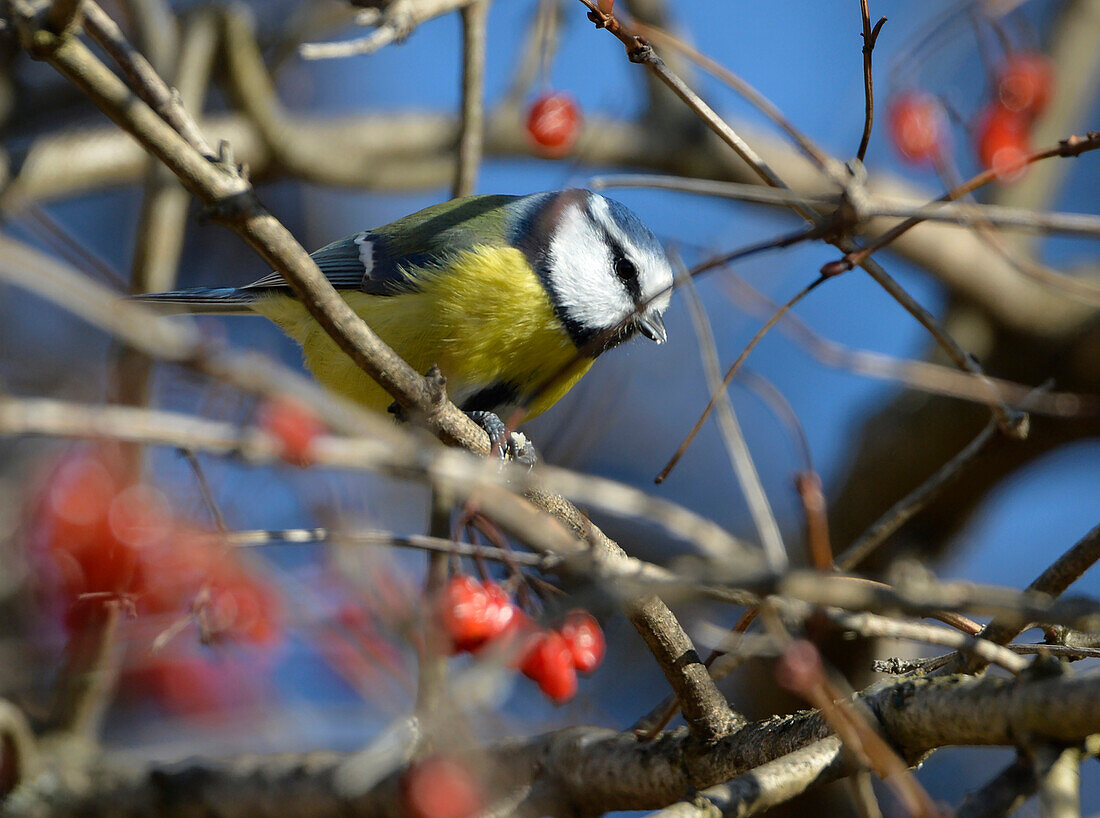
(506, 445)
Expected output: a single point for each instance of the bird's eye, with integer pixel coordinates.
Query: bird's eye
(625, 269)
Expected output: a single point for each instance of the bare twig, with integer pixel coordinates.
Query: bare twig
(921, 375)
(770, 784)
(730, 373)
(872, 625)
(387, 539)
(870, 37)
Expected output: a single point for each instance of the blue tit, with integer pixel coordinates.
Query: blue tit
(501, 292)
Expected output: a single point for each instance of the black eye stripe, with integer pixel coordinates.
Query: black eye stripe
(624, 268)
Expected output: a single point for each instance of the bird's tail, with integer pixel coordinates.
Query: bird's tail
(223, 300)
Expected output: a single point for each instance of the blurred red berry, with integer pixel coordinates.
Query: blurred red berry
(1025, 82)
(553, 122)
(441, 787)
(918, 127)
(800, 669)
(90, 531)
(294, 425)
(584, 637)
(237, 606)
(471, 613)
(1002, 137)
(548, 661)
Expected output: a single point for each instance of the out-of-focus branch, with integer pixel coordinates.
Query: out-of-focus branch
(867, 206)
(593, 770)
(1060, 784)
(162, 222)
(398, 20)
(472, 120)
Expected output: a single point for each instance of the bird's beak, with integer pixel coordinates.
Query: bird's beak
(653, 328)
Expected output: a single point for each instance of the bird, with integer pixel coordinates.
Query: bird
(501, 292)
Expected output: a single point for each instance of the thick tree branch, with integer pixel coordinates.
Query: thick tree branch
(593, 770)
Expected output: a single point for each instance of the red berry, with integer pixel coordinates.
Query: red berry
(918, 127)
(441, 787)
(238, 606)
(1025, 82)
(472, 613)
(1002, 137)
(582, 633)
(548, 661)
(293, 425)
(464, 612)
(552, 122)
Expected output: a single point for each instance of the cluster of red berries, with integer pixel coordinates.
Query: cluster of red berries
(103, 537)
(552, 123)
(473, 614)
(1024, 84)
(919, 131)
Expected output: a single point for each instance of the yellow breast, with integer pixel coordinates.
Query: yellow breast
(484, 318)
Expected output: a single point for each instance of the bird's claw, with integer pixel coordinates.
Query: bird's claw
(506, 445)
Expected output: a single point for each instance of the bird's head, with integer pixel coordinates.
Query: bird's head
(606, 273)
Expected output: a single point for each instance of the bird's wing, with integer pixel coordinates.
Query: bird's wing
(379, 262)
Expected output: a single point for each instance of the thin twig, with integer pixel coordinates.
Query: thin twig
(1063, 572)
(904, 509)
(870, 37)
(387, 539)
(736, 447)
(922, 375)
(205, 491)
(873, 625)
(869, 206)
(730, 373)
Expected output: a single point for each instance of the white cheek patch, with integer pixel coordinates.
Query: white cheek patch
(582, 276)
(366, 254)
